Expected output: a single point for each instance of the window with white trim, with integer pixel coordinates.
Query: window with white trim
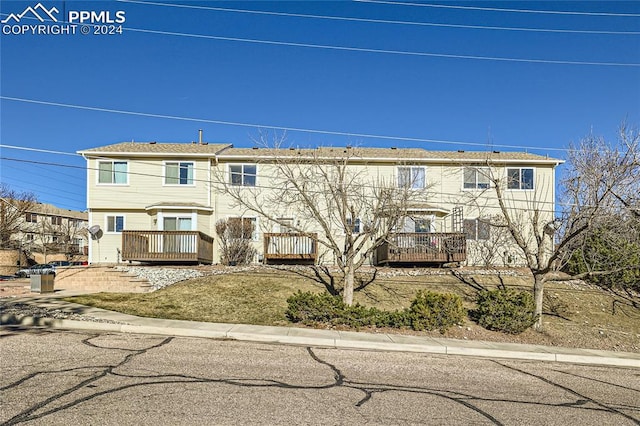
(411, 177)
(177, 223)
(286, 225)
(178, 173)
(416, 224)
(242, 174)
(31, 217)
(476, 178)
(354, 225)
(115, 223)
(520, 178)
(476, 229)
(243, 228)
(113, 172)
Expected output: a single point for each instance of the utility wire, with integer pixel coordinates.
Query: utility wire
(272, 127)
(498, 9)
(384, 51)
(486, 194)
(377, 21)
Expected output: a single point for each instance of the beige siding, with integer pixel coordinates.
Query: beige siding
(146, 185)
(445, 190)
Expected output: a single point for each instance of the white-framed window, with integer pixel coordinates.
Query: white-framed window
(31, 217)
(286, 225)
(177, 223)
(477, 229)
(243, 174)
(56, 220)
(115, 223)
(417, 224)
(178, 173)
(178, 242)
(413, 177)
(520, 178)
(243, 228)
(355, 225)
(113, 172)
(476, 177)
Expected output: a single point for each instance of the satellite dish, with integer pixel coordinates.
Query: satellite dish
(95, 231)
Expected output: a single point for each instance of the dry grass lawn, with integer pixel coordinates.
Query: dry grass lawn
(577, 315)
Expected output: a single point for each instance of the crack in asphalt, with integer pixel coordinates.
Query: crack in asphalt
(339, 379)
(27, 415)
(583, 399)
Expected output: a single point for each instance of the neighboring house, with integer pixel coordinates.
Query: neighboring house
(159, 202)
(47, 233)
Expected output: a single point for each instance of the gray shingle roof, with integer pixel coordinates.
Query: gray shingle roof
(51, 210)
(157, 148)
(390, 154)
(228, 152)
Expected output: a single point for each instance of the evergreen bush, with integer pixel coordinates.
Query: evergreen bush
(509, 311)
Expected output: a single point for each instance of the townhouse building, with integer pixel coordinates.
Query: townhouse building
(160, 202)
(46, 232)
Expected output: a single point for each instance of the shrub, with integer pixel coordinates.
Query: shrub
(309, 308)
(509, 311)
(615, 249)
(430, 311)
(234, 236)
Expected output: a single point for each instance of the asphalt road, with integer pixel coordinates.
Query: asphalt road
(59, 377)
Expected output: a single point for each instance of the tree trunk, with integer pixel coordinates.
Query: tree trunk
(349, 274)
(538, 288)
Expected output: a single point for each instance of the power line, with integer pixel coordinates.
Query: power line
(484, 195)
(384, 51)
(272, 127)
(474, 195)
(377, 21)
(45, 151)
(498, 9)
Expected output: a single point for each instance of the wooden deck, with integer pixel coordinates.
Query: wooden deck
(290, 247)
(416, 248)
(167, 246)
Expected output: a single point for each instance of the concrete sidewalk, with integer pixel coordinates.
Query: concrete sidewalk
(117, 322)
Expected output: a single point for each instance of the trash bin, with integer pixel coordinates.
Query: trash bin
(42, 283)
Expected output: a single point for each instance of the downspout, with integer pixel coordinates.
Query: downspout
(553, 200)
(89, 216)
(215, 204)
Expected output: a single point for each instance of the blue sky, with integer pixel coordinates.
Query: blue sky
(431, 81)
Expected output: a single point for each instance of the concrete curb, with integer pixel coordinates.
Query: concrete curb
(338, 340)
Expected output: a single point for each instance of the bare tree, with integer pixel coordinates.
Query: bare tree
(235, 240)
(70, 232)
(349, 213)
(14, 206)
(601, 181)
(603, 189)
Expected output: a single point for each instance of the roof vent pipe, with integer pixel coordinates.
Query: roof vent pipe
(200, 136)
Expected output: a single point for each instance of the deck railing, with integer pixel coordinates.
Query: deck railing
(167, 246)
(414, 247)
(290, 246)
